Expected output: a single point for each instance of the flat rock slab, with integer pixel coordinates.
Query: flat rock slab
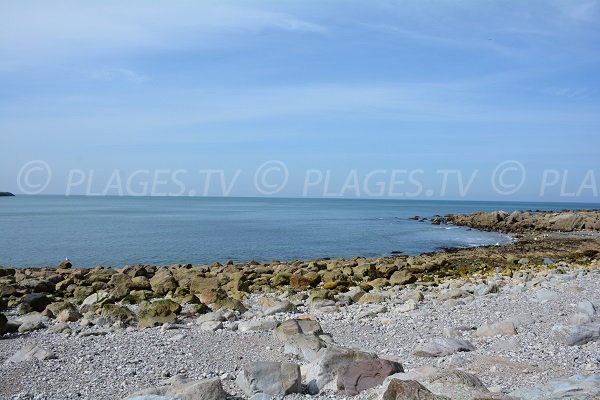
(30, 352)
(208, 389)
(359, 376)
(576, 387)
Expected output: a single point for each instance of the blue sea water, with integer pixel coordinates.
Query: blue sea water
(43, 230)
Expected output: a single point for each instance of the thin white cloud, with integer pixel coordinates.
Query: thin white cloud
(33, 33)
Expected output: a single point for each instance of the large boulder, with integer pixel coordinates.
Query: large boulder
(157, 313)
(209, 389)
(444, 383)
(576, 335)
(163, 282)
(302, 338)
(114, 313)
(359, 376)
(321, 373)
(34, 302)
(272, 378)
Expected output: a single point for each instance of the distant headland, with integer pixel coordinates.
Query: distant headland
(6, 194)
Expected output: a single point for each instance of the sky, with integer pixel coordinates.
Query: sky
(486, 100)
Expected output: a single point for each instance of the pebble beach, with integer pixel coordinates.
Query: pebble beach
(497, 322)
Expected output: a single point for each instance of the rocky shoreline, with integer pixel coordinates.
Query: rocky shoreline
(496, 322)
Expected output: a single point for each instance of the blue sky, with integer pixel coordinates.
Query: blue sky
(330, 85)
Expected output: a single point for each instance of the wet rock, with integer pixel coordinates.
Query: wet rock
(272, 378)
(359, 376)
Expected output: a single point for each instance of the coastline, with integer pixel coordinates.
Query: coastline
(361, 302)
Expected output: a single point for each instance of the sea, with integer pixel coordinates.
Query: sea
(37, 231)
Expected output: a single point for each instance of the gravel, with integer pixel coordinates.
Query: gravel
(123, 361)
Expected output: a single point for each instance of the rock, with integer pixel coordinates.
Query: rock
(576, 387)
(321, 373)
(447, 384)
(157, 313)
(3, 323)
(257, 325)
(408, 306)
(275, 307)
(293, 327)
(30, 352)
(359, 376)
(95, 298)
(452, 294)
(501, 328)
(443, 347)
(53, 309)
(68, 315)
(66, 264)
(303, 338)
(408, 390)
(371, 298)
(163, 282)
(211, 325)
(209, 389)
(586, 307)
(33, 302)
(31, 322)
(576, 335)
(546, 295)
(371, 312)
(305, 281)
(116, 313)
(403, 277)
(229, 304)
(272, 378)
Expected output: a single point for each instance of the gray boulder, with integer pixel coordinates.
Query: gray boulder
(31, 322)
(321, 373)
(444, 384)
(209, 389)
(271, 378)
(576, 335)
(576, 387)
(586, 307)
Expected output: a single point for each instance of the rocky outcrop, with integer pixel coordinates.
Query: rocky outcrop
(520, 222)
(6, 194)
